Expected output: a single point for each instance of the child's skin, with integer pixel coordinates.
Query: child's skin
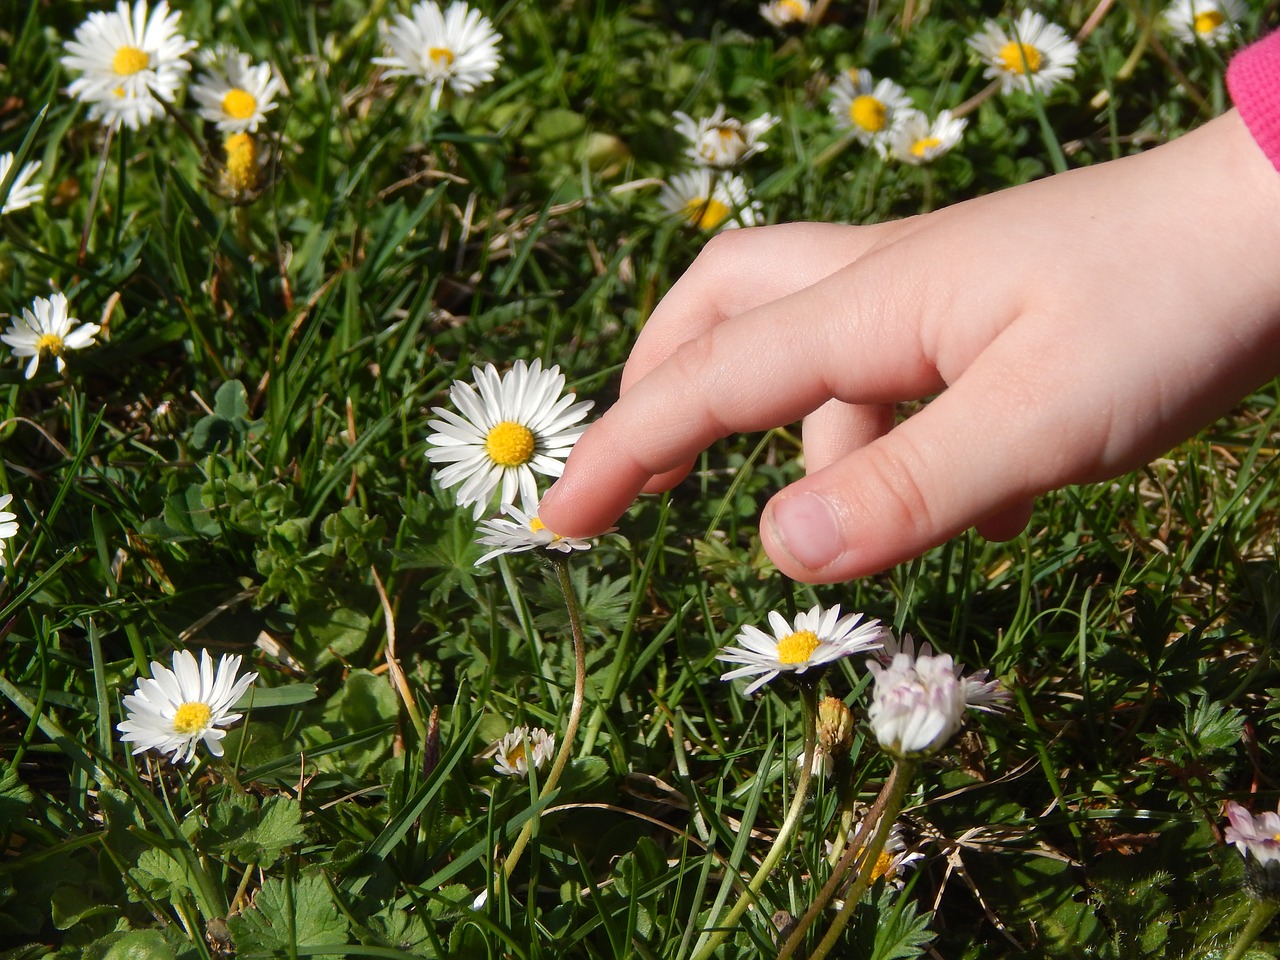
(1074, 328)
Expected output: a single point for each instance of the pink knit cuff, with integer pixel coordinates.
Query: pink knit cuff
(1253, 77)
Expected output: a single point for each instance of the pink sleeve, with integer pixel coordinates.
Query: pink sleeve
(1253, 77)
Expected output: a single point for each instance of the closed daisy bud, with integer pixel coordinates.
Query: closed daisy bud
(835, 725)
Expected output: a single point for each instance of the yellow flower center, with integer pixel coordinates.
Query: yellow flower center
(510, 444)
(118, 92)
(791, 10)
(242, 162)
(130, 60)
(706, 213)
(192, 717)
(884, 863)
(441, 57)
(515, 754)
(51, 344)
(1209, 21)
(797, 647)
(239, 104)
(1013, 54)
(868, 113)
(924, 145)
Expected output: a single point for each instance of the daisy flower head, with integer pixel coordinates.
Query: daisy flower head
(784, 13)
(22, 192)
(524, 531)
(710, 201)
(815, 639)
(919, 699)
(721, 142)
(174, 711)
(1211, 22)
(521, 748)
(872, 109)
(457, 48)
(511, 426)
(234, 93)
(8, 526)
(1037, 54)
(894, 860)
(1258, 840)
(917, 141)
(45, 329)
(130, 63)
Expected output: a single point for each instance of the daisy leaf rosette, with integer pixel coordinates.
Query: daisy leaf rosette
(510, 426)
(816, 638)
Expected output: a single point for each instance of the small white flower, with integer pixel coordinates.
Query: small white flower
(45, 329)
(783, 13)
(524, 531)
(234, 93)
(1258, 836)
(1211, 22)
(816, 638)
(522, 746)
(918, 141)
(872, 109)
(174, 710)
(8, 526)
(919, 700)
(894, 859)
(511, 426)
(720, 141)
(1036, 54)
(22, 192)
(130, 64)
(710, 201)
(458, 48)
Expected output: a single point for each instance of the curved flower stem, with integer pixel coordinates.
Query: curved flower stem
(575, 712)
(1259, 917)
(809, 701)
(882, 814)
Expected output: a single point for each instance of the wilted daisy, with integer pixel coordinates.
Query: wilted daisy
(8, 526)
(511, 425)
(783, 13)
(22, 192)
(44, 329)
(457, 48)
(174, 710)
(919, 700)
(873, 110)
(234, 93)
(815, 639)
(710, 201)
(1209, 21)
(918, 141)
(524, 531)
(513, 754)
(130, 63)
(720, 141)
(1036, 54)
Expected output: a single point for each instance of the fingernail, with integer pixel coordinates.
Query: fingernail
(806, 527)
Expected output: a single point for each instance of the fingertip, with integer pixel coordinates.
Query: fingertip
(803, 533)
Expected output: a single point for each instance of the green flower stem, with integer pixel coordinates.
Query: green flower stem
(575, 712)
(879, 818)
(809, 701)
(1259, 917)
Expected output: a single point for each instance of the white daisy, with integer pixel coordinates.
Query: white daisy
(1036, 54)
(130, 64)
(720, 141)
(1209, 21)
(45, 329)
(894, 859)
(458, 47)
(1258, 836)
(174, 710)
(511, 426)
(919, 700)
(8, 526)
(918, 141)
(710, 201)
(783, 13)
(522, 746)
(234, 93)
(22, 192)
(815, 639)
(873, 110)
(524, 531)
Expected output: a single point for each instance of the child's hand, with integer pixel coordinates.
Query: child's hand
(1074, 328)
